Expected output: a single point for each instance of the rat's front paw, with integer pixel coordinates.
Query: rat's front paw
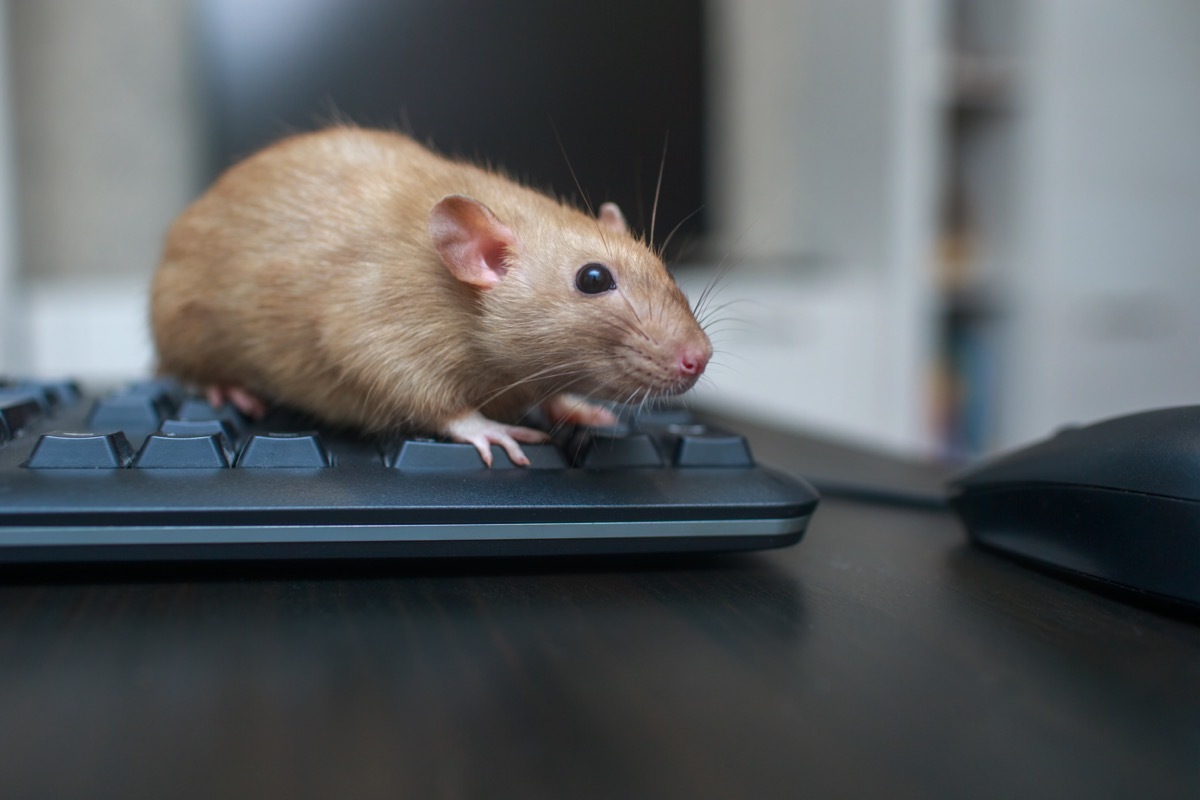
(574, 410)
(249, 404)
(476, 429)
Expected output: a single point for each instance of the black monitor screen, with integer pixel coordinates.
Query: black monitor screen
(516, 83)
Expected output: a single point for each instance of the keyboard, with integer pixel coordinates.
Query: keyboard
(149, 472)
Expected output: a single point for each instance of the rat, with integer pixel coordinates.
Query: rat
(361, 277)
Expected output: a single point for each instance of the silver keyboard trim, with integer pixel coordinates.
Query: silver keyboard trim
(115, 535)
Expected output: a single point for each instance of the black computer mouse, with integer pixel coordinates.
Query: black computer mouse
(1117, 501)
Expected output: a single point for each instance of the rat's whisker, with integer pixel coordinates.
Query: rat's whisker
(542, 374)
(582, 194)
(633, 311)
(658, 186)
(663, 249)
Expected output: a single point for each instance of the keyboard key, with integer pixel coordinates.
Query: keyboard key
(698, 447)
(603, 451)
(65, 392)
(541, 456)
(170, 388)
(137, 411)
(81, 451)
(18, 409)
(43, 397)
(284, 451)
(661, 417)
(197, 409)
(620, 429)
(200, 427)
(685, 428)
(171, 451)
(426, 456)
(45, 400)
(422, 455)
(58, 393)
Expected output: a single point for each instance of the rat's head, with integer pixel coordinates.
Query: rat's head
(573, 302)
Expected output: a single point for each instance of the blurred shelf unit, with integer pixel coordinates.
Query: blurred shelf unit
(1069, 254)
(981, 214)
(980, 102)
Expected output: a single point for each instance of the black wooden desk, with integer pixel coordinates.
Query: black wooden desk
(882, 657)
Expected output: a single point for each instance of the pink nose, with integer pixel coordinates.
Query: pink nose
(692, 361)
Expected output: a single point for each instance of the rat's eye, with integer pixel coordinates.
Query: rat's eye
(594, 278)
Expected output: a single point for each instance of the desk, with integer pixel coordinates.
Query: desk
(882, 657)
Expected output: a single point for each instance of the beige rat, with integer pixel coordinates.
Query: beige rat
(358, 276)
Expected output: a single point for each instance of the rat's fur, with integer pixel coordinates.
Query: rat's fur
(307, 275)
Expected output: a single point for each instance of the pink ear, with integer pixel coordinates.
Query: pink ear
(472, 243)
(612, 218)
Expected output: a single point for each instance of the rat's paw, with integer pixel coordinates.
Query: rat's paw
(475, 429)
(249, 404)
(574, 410)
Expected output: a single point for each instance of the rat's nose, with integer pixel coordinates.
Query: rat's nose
(693, 360)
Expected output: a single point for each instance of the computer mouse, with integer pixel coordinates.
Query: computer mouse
(1116, 501)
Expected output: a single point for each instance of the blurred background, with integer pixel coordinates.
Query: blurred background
(939, 227)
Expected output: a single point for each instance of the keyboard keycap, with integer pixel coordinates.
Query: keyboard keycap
(600, 451)
(197, 409)
(662, 417)
(427, 456)
(45, 400)
(81, 451)
(170, 451)
(703, 448)
(65, 392)
(284, 451)
(167, 388)
(18, 409)
(52, 394)
(137, 411)
(200, 427)
(541, 456)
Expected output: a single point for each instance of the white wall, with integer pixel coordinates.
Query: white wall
(109, 141)
(10, 323)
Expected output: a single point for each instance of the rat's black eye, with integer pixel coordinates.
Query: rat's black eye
(594, 278)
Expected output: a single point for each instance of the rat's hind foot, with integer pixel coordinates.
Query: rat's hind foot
(476, 429)
(249, 404)
(574, 410)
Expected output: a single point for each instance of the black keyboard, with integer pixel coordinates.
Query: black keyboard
(151, 473)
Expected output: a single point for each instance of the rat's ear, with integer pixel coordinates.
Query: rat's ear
(612, 218)
(471, 241)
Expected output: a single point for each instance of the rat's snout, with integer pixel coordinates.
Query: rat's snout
(692, 360)
(656, 348)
